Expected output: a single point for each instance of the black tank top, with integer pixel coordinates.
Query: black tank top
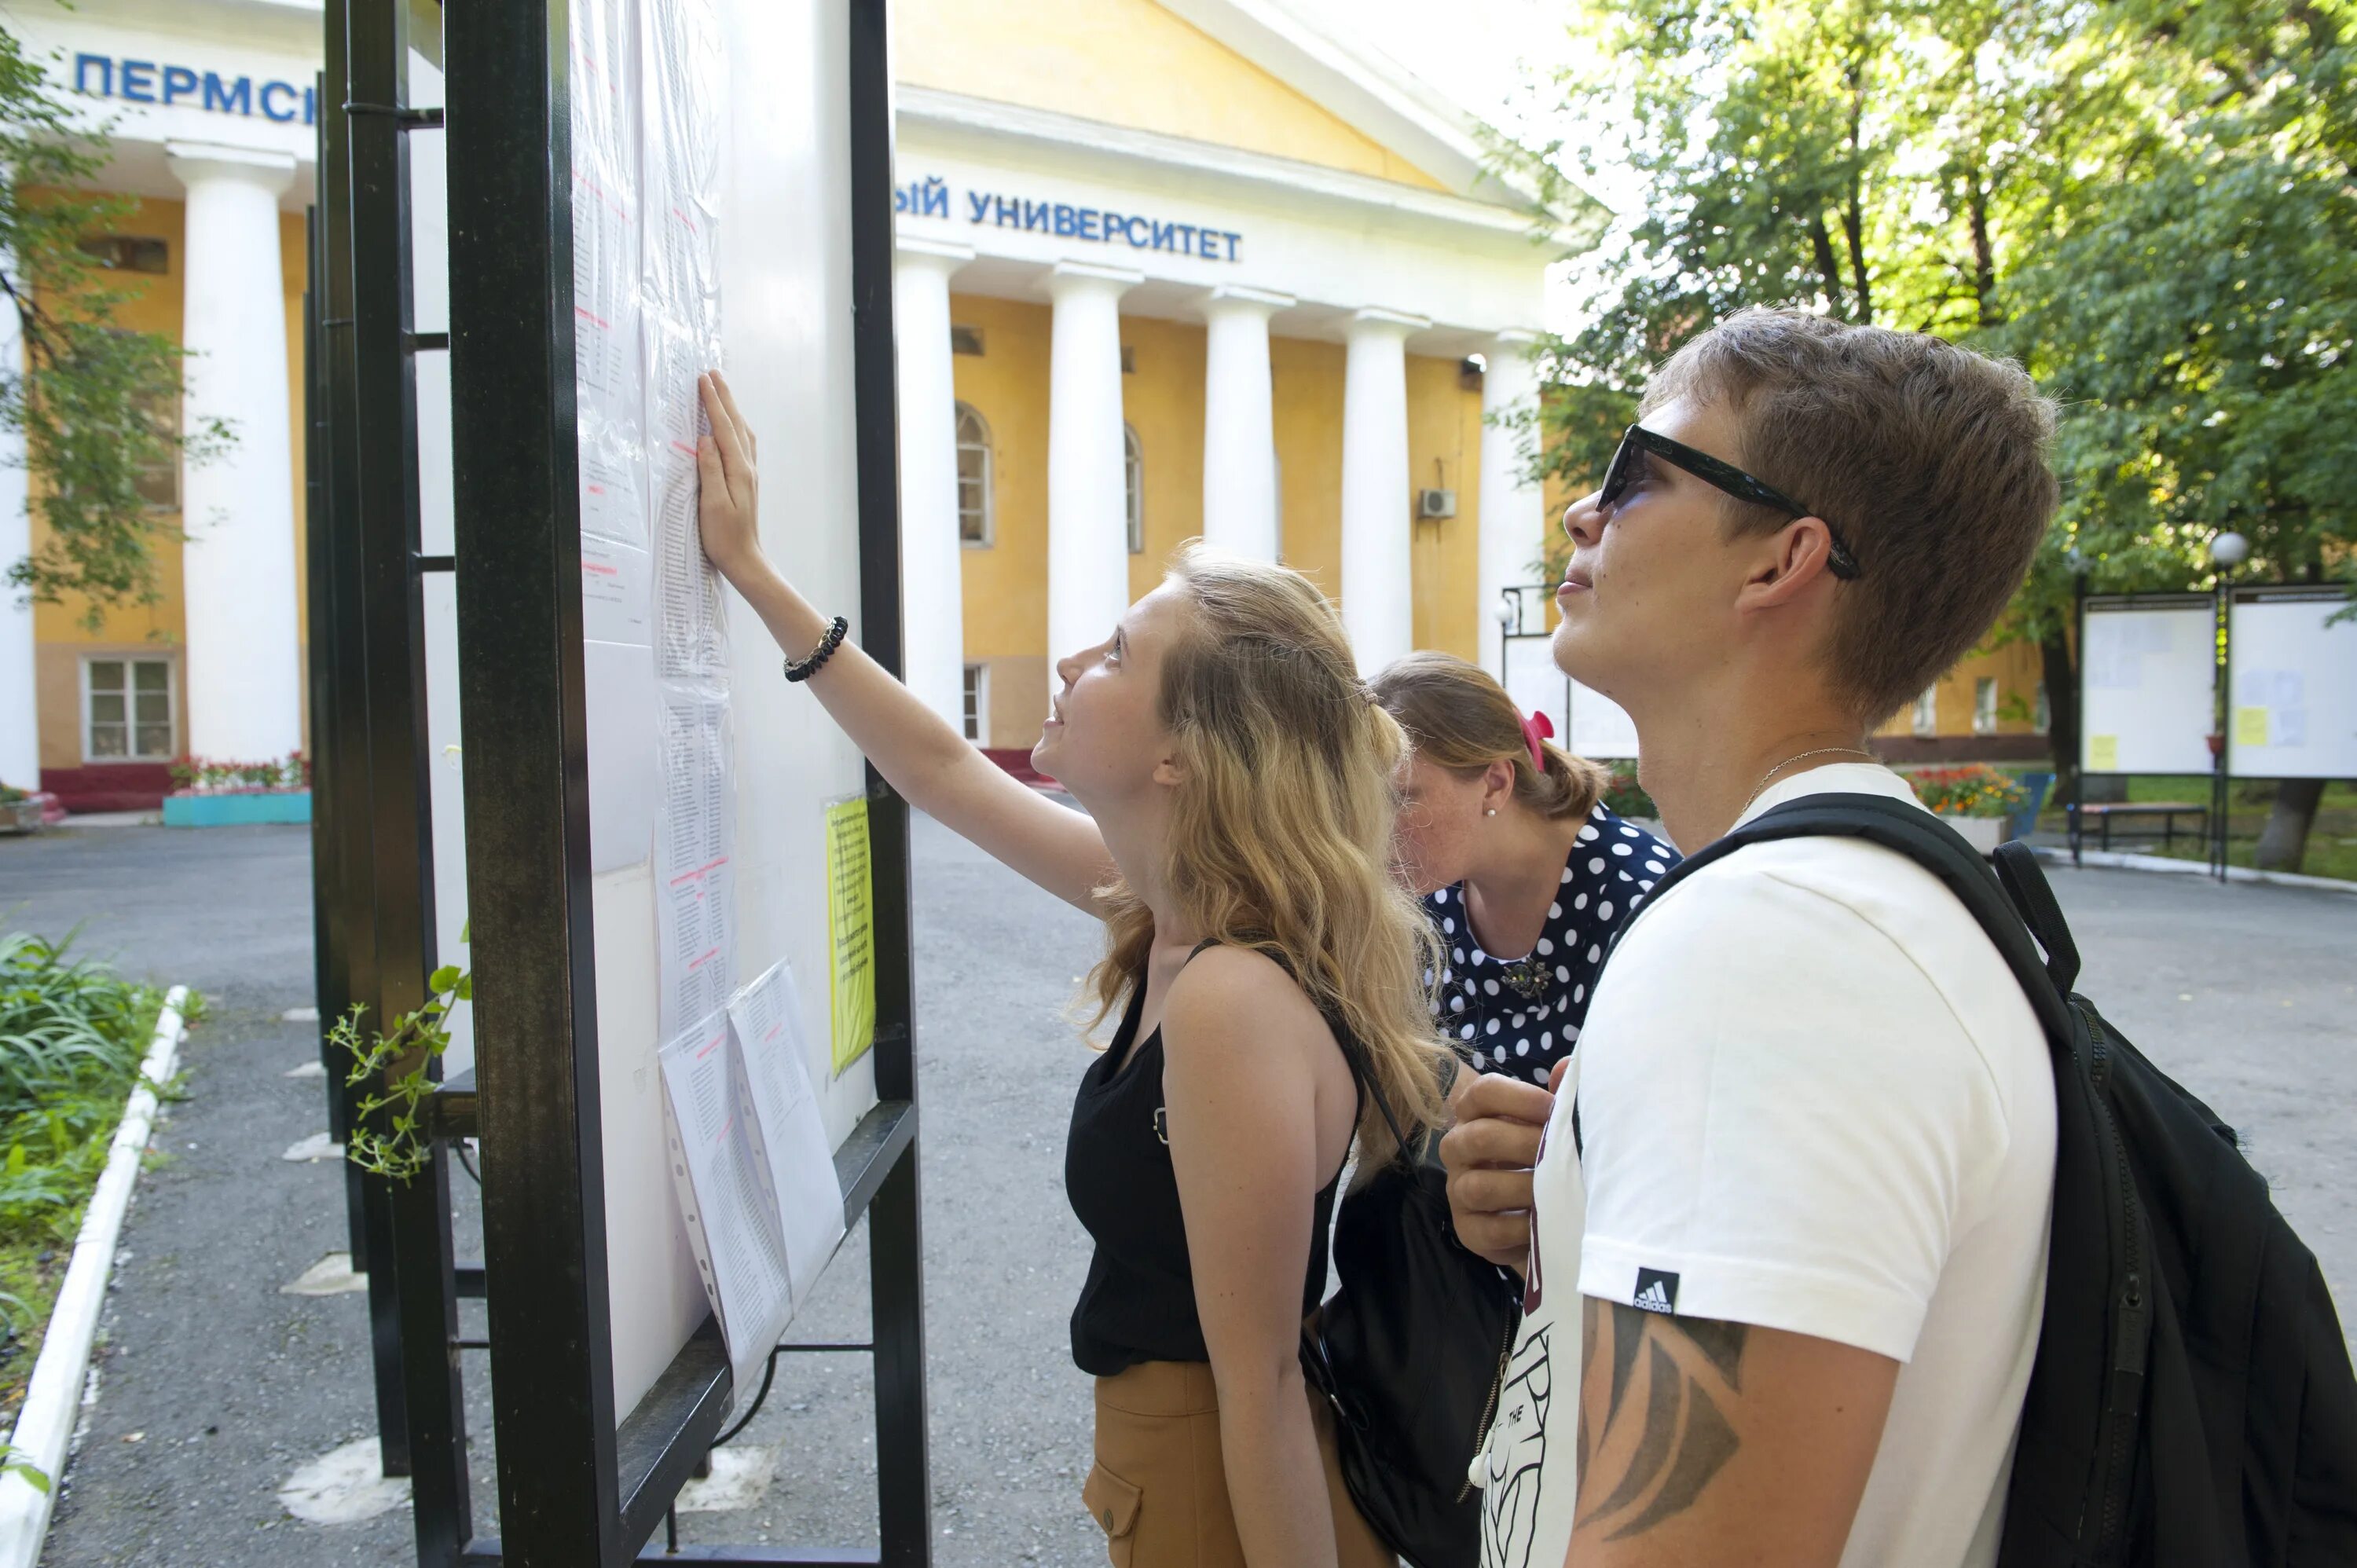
(1138, 1304)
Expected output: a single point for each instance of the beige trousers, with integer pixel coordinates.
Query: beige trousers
(1160, 1490)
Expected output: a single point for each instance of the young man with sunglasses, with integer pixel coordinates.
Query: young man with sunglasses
(1785, 1245)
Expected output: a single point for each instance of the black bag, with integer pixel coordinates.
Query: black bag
(1410, 1350)
(2192, 1404)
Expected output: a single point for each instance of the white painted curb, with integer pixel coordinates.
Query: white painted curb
(53, 1399)
(2116, 860)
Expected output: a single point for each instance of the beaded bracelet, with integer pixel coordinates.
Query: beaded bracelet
(802, 670)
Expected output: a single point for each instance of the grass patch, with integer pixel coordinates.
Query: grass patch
(71, 1037)
(2331, 840)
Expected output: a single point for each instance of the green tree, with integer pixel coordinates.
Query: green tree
(2149, 202)
(2195, 306)
(96, 404)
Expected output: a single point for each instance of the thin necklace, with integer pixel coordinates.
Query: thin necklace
(1803, 756)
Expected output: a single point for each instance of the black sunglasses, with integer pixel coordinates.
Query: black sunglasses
(1720, 475)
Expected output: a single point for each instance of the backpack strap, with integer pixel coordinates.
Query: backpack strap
(1911, 830)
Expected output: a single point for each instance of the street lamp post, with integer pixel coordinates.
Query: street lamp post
(2227, 552)
(1510, 617)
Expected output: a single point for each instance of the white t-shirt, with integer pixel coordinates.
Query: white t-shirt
(1812, 1098)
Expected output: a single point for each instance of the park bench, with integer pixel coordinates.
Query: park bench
(2106, 813)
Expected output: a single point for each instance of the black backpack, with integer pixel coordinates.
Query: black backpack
(2192, 1404)
(1410, 1350)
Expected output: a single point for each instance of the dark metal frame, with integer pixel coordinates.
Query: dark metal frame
(576, 1486)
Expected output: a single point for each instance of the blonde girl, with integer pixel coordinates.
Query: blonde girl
(1238, 784)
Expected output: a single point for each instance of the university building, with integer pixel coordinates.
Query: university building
(1166, 269)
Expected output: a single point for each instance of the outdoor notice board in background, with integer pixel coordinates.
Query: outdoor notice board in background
(2294, 693)
(2149, 668)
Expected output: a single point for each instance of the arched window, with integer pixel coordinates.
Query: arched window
(974, 487)
(1133, 474)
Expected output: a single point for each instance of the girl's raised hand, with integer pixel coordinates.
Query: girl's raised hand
(727, 508)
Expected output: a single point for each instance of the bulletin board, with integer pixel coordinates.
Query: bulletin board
(710, 208)
(2293, 683)
(2148, 672)
(541, 728)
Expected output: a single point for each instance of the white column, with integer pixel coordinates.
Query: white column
(1378, 602)
(932, 556)
(20, 724)
(1513, 508)
(244, 662)
(1088, 532)
(1239, 423)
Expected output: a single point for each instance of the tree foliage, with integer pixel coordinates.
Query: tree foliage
(2149, 203)
(97, 405)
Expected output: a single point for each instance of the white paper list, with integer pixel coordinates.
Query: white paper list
(768, 1019)
(721, 1173)
(694, 847)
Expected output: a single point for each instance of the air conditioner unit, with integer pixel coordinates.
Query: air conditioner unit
(1431, 505)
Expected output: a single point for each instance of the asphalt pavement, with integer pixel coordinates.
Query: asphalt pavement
(213, 1386)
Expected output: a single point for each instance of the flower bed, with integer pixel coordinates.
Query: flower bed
(1973, 791)
(213, 793)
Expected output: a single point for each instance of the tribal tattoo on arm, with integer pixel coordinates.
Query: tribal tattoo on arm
(1657, 1434)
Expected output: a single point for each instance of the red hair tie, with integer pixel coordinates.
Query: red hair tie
(1535, 727)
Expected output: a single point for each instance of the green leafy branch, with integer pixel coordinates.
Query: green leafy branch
(398, 1068)
(97, 405)
(13, 1462)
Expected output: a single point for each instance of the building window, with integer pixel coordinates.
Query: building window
(2041, 714)
(158, 483)
(973, 486)
(977, 703)
(126, 710)
(1927, 712)
(965, 341)
(1985, 705)
(1132, 478)
(1129, 361)
(130, 253)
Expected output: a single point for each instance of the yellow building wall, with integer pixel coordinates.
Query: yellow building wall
(1162, 400)
(1306, 384)
(1444, 453)
(62, 639)
(1127, 62)
(2018, 670)
(1006, 584)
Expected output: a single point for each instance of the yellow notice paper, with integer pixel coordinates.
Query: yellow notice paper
(850, 931)
(2250, 726)
(2102, 754)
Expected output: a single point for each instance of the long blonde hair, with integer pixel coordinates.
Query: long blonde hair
(1459, 717)
(1281, 831)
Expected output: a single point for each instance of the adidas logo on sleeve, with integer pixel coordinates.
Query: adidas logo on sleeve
(1656, 1292)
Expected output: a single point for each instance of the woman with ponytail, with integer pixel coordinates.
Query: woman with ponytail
(1524, 875)
(1268, 974)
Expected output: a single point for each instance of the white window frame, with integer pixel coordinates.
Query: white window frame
(965, 411)
(976, 690)
(130, 708)
(1133, 480)
(1985, 705)
(1926, 717)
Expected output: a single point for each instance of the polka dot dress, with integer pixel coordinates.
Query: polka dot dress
(1523, 1016)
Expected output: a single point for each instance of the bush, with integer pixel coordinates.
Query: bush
(1624, 796)
(71, 1036)
(1973, 791)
